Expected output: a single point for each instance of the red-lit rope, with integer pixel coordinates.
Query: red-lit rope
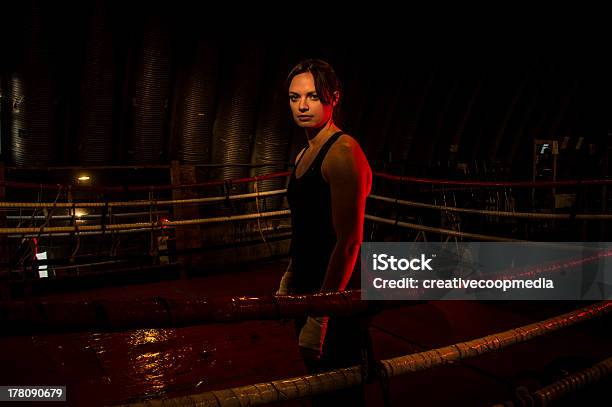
(399, 178)
(160, 312)
(513, 184)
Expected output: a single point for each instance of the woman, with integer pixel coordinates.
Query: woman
(327, 195)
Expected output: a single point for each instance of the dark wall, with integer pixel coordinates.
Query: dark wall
(107, 82)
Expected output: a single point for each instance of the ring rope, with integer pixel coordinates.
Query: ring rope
(169, 312)
(422, 228)
(574, 382)
(402, 179)
(560, 388)
(146, 225)
(310, 385)
(8, 205)
(522, 215)
(513, 184)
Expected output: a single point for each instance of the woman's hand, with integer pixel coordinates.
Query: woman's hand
(312, 337)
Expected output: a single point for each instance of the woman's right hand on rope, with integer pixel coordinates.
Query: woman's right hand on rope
(285, 283)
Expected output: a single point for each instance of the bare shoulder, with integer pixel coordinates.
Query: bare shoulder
(345, 157)
(345, 148)
(345, 144)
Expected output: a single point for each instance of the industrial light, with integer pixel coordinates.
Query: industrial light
(80, 213)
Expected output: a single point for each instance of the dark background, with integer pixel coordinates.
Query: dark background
(122, 83)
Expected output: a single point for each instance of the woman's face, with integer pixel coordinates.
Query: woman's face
(307, 109)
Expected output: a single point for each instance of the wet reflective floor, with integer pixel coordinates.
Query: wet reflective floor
(107, 368)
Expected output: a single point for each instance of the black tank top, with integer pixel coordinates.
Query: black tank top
(313, 235)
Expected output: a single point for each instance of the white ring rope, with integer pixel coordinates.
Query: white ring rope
(145, 225)
(441, 231)
(257, 194)
(521, 215)
(10, 205)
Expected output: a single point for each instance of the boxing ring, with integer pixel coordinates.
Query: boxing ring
(388, 213)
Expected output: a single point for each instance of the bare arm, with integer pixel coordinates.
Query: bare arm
(347, 171)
